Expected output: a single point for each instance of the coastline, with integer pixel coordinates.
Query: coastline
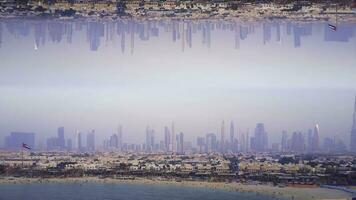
(296, 193)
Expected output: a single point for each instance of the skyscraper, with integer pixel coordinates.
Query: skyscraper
(167, 138)
(353, 132)
(210, 143)
(113, 142)
(61, 140)
(232, 132)
(222, 140)
(284, 142)
(91, 141)
(310, 141)
(119, 138)
(181, 142)
(297, 142)
(174, 142)
(69, 145)
(200, 143)
(315, 143)
(259, 142)
(79, 141)
(149, 139)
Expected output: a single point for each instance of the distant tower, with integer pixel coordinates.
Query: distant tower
(310, 141)
(259, 142)
(232, 132)
(91, 141)
(222, 140)
(167, 138)
(149, 139)
(316, 139)
(181, 142)
(174, 142)
(353, 132)
(119, 138)
(210, 143)
(284, 142)
(79, 141)
(61, 140)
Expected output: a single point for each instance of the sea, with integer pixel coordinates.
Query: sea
(106, 191)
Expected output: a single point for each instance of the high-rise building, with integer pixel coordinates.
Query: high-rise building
(284, 142)
(315, 146)
(310, 141)
(113, 142)
(222, 139)
(210, 143)
(79, 141)
(353, 132)
(150, 139)
(232, 132)
(181, 143)
(297, 142)
(61, 139)
(167, 138)
(15, 140)
(91, 141)
(69, 145)
(201, 144)
(259, 142)
(174, 142)
(119, 138)
(52, 144)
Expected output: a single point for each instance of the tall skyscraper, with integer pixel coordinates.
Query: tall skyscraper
(297, 142)
(61, 140)
(15, 140)
(232, 132)
(284, 142)
(353, 132)
(259, 142)
(181, 142)
(310, 141)
(315, 146)
(201, 144)
(119, 138)
(210, 143)
(113, 142)
(167, 138)
(174, 142)
(69, 145)
(222, 139)
(91, 141)
(79, 141)
(149, 139)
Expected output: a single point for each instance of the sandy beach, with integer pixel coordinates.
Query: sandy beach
(314, 193)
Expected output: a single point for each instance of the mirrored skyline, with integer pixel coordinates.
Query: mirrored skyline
(97, 75)
(123, 34)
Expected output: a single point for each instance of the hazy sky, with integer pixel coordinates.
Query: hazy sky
(285, 86)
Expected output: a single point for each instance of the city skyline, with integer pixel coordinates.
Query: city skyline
(124, 33)
(264, 80)
(238, 141)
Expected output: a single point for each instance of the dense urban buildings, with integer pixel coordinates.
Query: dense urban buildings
(113, 9)
(16, 139)
(297, 142)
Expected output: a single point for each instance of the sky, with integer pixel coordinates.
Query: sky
(84, 76)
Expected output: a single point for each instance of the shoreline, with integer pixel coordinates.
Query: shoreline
(228, 20)
(350, 18)
(296, 193)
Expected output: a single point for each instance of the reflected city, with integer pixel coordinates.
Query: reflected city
(125, 33)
